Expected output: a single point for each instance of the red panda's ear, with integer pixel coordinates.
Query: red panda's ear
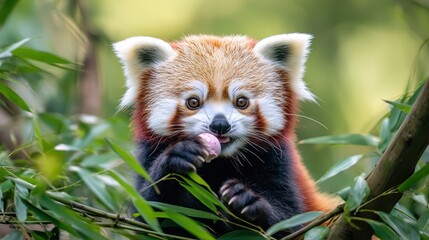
(138, 54)
(288, 51)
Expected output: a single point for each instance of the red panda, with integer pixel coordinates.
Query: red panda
(243, 91)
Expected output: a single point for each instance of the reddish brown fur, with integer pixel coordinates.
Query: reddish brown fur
(261, 122)
(313, 199)
(140, 116)
(216, 62)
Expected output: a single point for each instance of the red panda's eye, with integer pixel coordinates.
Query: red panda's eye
(193, 103)
(242, 103)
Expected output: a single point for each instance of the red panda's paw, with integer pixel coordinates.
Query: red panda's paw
(244, 202)
(184, 157)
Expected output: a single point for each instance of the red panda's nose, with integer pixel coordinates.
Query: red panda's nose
(220, 125)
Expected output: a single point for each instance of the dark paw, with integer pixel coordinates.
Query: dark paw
(184, 157)
(243, 201)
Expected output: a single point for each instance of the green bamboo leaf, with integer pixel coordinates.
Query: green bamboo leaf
(206, 197)
(13, 97)
(405, 229)
(183, 210)
(212, 197)
(96, 186)
(242, 234)
(8, 51)
(129, 159)
(423, 221)
(344, 193)
(141, 204)
(14, 235)
(200, 196)
(381, 230)
(189, 225)
(358, 193)
(345, 139)
(317, 233)
(57, 122)
(20, 208)
(420, 198)
(40, 56)
(401, 106)
(416, 177)
(93, 133)
(386, 135)
(194, 176)
(6, 186)
(6, 8)
(293, 222)
(340, 167)
(80, 224)
(102, 161)
(45, 216)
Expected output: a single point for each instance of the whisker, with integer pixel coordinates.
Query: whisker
(308, 118)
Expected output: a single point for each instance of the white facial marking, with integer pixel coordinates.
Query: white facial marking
(298, 45)
(199, 89)
(272, 113)
(160, 116)
(128, 52)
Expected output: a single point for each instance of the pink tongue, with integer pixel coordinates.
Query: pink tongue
(224, 139)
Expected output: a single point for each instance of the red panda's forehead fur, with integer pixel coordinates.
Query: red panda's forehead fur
(216, 62)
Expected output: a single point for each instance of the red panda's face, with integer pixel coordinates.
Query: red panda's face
(232, 87)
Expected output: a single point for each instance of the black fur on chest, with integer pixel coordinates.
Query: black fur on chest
(267, 174)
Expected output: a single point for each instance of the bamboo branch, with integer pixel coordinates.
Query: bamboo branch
(394, 167)
(84, 208)
(338, 210)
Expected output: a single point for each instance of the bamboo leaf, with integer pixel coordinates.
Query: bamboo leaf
(186, 211)
(96, 186)
(200, 196)
(129, 159)
(6, 8)
(6, 91)
(401, 106)
(345, 139)
(14, 235)
(45, 216)
(404, 229)
(141, 204)
(381, 230)
(344, 193)
(416, 177)
(8, 51)
(317, 233)
(423, 221)
(189, 225)
(340, 167)
(20, 208)
(357, 195)
(39, 56)
(293, 222)
(80, 224)
(242, 234)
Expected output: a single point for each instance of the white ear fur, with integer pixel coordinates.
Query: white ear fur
(137, 54)
(288, 51)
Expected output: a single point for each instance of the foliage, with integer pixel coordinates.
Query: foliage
(73, 175)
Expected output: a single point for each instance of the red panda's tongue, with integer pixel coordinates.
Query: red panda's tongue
(224, 139)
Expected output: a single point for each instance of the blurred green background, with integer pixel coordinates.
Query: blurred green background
(362, 52)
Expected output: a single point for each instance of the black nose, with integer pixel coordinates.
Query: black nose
(220, 125)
